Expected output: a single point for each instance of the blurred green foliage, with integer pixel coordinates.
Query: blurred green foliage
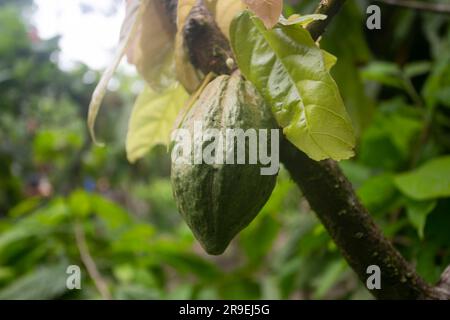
(396, 85)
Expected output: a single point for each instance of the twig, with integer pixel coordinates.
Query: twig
(412, 92)
(442, 8)
(89, 262)
(343, 214)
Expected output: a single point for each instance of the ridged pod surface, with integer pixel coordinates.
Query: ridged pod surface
(219, 200)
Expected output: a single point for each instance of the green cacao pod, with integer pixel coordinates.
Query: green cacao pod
(219, 200)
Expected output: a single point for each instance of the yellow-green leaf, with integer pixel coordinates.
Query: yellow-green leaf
(302, 20)
(329, 59)
(152, 47)
(226, 10)
(418, 212)
(129, 29)
(185, 71)
(292, 74)
(152, 120)
(184, 8)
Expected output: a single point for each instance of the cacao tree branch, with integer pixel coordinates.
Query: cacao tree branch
(329, 8)
(325, 187)
(208, 48)
(355, 233)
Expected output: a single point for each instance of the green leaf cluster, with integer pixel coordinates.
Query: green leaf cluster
(292, 74)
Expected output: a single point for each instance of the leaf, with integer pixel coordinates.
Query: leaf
(43, 283)
(269, 11)
(387, 142)
(187, 262)
(37, 225)
(302, 20)
(386, 73)
(430, 181)
(329, 59)
(111, 213)
(135, 292)
(437, 86)
(80, 203)
(356, 172)
(24, 207)
(438, 224)
(136, 238)
(258, 238)
(153, 45)
(346, 74)
(187, 75)
(378, 194)
(417, 68)
(290, 71)
(129, 29)
(152, 120)
(183, 10)
(239, 288)
(186, 72)
(418, 212)
(226, 11)
(426, 264)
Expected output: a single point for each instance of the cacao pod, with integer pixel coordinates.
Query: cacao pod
(219, 200)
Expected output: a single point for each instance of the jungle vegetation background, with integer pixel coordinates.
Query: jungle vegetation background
(58, 192)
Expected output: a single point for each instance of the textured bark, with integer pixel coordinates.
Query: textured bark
(325, 187)
(209, 50)
(355, 233)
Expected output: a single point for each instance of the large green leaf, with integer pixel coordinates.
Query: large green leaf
(43, 283)
(386, 73)
(379, 194)
(430, 181)
(152, 120)
(418, 212)
(291, 73)
(346, 73)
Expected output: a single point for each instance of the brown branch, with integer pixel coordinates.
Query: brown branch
(328, 7)
(89, 263)
(325, 187)
(361, 242)
(442, 8)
